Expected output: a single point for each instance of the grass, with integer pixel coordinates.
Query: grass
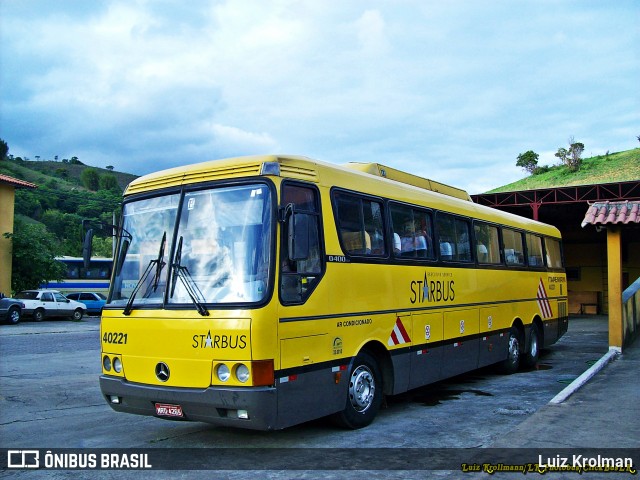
(613, 167)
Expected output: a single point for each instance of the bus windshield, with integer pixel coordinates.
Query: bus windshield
(222, 251)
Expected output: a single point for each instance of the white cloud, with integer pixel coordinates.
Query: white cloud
(452, 90)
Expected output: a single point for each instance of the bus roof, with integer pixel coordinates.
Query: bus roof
(409, 179)
(372, 179)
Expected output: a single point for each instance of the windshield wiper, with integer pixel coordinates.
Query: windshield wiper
(181, 272)
(159, 264)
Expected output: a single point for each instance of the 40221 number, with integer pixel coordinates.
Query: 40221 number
(114, 337)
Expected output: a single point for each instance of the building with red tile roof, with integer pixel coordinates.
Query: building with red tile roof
(8, 186)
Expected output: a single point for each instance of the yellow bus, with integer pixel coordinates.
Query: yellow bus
(262, 292)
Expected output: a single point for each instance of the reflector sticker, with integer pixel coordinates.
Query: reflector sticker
(543, 301)
(398, 335)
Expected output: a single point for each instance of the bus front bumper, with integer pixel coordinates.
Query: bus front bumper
(252, 407)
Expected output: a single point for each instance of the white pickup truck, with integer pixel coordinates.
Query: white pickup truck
(49, 303)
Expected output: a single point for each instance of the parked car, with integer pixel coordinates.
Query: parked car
(41, 304)
(93, 301)
(11, 310)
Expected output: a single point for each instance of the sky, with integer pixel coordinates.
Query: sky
(449, 90)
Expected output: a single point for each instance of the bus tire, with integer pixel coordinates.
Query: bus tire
(38, 314)
(364, 394)
(77, 314)
(532, 352)
(512, 362)
(13, 317)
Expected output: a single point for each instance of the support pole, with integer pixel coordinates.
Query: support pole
(535, 207)
(614, 260)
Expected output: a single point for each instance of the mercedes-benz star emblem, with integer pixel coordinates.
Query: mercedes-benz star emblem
(162, 372)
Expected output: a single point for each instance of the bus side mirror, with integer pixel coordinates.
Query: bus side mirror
(86, 248)
(122, 255)
(298, 236)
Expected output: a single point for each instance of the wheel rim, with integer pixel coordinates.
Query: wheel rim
(14, 316)
(362, 388)
(514, 350)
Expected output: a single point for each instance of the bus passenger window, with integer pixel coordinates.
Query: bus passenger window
(554, 253)
(534, 250)
(360, 225)
(513, 247)
(487, 243)
(454, 238)
(412, 229)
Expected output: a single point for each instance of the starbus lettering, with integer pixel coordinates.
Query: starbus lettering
(432, 290)
(219, 341)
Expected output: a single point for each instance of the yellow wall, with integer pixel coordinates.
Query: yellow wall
(591, 259)
(7, 199)
(632, 264)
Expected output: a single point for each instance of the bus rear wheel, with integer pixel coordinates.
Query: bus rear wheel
(533, 348)
(512, 362)
(364, 395)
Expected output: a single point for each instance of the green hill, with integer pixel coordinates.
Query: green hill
(62, 200)
(613, 167)
(66, 175)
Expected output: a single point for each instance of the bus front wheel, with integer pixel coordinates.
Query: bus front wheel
(364, 395)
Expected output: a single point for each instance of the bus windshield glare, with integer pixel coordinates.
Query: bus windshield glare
(222, 252)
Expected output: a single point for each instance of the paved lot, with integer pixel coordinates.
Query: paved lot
(50, 399)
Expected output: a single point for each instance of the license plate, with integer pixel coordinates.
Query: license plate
(165, 410)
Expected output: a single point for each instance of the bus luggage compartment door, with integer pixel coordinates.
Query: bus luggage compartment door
(461, 343)
(426, 357)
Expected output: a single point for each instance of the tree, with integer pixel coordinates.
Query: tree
(109, 182)
(562, 154)
(90, 179)
(575, 154)
(102, 247)
(109, 167)
(63, 225)
(572, 157)
(4, 149)
(528, 160)
(27, 203)
(33, 251)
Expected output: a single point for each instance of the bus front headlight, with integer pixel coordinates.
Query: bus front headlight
(242, 373)
(117, 364)
(222, 372)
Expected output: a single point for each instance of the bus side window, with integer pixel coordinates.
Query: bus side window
(513, 247)
(553, 253)
(487, 243)
(360, 224)
(412, 232)
(454, 238)
(534, 250)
